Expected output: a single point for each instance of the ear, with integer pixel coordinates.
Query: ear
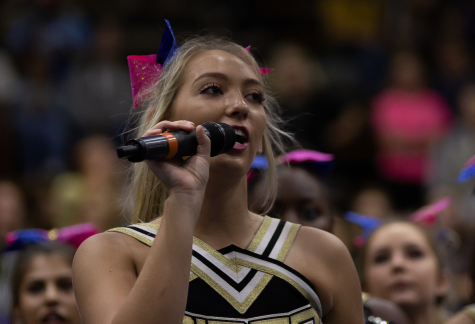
(259, 149)
(444, 283)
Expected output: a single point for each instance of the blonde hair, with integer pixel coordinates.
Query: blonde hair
(148, 193)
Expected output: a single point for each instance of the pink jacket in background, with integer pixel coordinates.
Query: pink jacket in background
(406, 124)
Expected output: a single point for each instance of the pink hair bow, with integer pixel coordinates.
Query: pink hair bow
(263, 71)
(300, 156)
(145, 70)
(428, 215)
(73, 235)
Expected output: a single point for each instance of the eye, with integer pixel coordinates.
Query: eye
(414, 254)
(310, 214)
(211, 88)
(36, 287)
(381, 258)
(256, 97)
(65, 285)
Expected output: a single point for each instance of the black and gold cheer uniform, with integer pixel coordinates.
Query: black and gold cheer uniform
(233, 285)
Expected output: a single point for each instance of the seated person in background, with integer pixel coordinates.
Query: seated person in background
(303, 198)
(42, 287)
(402, 264)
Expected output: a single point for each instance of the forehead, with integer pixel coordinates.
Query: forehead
(44, 266)
(298, 184)
(220, 62)
(398, 234)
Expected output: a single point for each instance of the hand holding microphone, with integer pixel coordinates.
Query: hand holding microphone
(178, 143)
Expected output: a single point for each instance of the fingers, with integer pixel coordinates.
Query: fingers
(170, 126)
(204, 143)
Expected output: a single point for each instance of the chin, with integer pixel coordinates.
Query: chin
(229, 166)
(405, 300)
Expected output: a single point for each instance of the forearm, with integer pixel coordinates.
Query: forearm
(160, 293)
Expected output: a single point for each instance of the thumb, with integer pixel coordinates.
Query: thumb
(204, 143)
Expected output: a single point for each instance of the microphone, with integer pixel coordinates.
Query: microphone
(178, 144)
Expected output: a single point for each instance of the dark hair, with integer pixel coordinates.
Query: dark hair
(26, 257)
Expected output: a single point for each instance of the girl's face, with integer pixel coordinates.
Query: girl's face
(220, 87)
(401, 266)
(300, 199)
(46, 293)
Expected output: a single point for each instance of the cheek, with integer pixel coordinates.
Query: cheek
(29, 304)
(376, 278)
(426, 274)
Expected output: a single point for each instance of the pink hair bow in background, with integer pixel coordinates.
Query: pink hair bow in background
(73, 235)
(428, 215)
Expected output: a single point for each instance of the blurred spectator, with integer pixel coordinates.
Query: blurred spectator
(58, 32)
(8, 93)
(454, 70)
(350, 138)
(408, 118)
(372, 201)
(42, 287)
(302, 197)
(296, 80)
(9, 80)
(402, 264)
(40, 123)
(448, 159)
(12, 209)
(92, 194)
(457, 148)
(100, 94)
(351, 21)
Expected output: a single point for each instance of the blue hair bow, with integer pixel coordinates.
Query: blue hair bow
(168, 46)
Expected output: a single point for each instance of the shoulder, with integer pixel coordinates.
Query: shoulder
(320, 245)
(336, 275)
(326, 262)
(104, 247)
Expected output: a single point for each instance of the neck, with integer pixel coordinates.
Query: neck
(424, 315)
(225, 218)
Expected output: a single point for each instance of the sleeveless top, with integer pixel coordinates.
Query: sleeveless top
(252, 285)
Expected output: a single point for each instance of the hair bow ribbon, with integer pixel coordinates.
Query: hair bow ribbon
(74, 235)
(145, 70)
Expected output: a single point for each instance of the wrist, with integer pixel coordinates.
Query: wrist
(184, 205)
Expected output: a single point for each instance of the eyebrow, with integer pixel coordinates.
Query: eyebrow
(224, 77)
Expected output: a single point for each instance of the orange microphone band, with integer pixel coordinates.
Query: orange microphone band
(172, 145)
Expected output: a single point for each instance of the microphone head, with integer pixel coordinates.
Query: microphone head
(222, 137)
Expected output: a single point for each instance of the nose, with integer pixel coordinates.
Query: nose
(237, 107)
(398, 262)
(51, 294)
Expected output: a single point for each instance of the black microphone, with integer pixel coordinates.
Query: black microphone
(177, 144)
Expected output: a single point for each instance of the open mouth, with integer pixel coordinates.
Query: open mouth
(54, 318)
(242, 137)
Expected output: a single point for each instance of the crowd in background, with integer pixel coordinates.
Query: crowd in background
(387, 86)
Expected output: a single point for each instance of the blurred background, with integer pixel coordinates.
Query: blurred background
(387, 86)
